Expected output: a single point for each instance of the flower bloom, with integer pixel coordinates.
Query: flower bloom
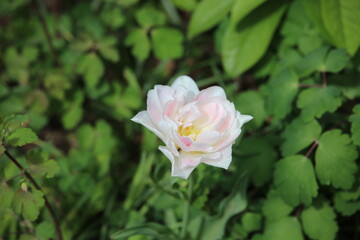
(195, 126)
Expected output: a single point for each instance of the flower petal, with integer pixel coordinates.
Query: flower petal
(223, 161)
(186, 83)
(176, 169)
(208, 137)
(144, 119)
(244, 118)
(157, 99)
(211, 92)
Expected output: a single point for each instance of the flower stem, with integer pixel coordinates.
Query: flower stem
(47, 203)
(186, 211)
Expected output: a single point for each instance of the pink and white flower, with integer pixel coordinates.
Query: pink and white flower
(195, 126)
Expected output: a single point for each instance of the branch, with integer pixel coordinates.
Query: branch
(47, 33)
(47, 203)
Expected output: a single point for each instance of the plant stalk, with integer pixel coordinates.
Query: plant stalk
(186, 212)
(47, 203)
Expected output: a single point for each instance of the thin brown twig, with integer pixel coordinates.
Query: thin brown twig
(311, 85)
(323, 76)
(47, 33)
(311, 149)
(47, 203)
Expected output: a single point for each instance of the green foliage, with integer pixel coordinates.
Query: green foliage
(243, 46)
(314, 102)
(355, 125)
(335, 159)
(40, 164)
(72, 74)
(299, 135)
(281, 91)
(21, 137)
(167, 43)
(285, 228)
(295, 180)
(28, 203)
(319, 222)
(207, 14)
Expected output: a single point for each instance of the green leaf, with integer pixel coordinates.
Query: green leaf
(167, 43)
(298, 135)
(347, 202)
(274, 207)
(13, 122)
(21, 137)
(139, 42)
(91, 68)
(243, 46)
(319, 222)
(281, 90)
(28, 237)
(113, 17)
(341, 20)
(295, 180)
(40, 165)
(242, 8)
(72, 117)
(207, 14)
(355, 125)
(187, 5)
(235, 203)
(45, 230)
(108, 50)
(6, 195)
(155, 230)
(148, 16)
(2, 149)
(335, 160)
(311, 62)
(314, 102)
(251, 221)
(257, 161)
(252, 103)
(336, 61)
(283, 229)
(28, 203)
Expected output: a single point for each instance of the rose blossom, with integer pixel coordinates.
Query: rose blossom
(196, 126)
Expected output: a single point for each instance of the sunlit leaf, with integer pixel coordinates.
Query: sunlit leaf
(207, 14)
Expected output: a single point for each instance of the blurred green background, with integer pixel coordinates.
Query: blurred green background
(78, 71)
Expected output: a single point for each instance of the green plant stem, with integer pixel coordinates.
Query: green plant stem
(311, 149)
(47, 203)
(186, 211)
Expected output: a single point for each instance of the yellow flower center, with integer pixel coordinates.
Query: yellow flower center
(189, 131)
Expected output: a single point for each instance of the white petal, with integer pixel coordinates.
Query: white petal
(208, 137)
(187, 83)
(211, 92)
(176, 169)
(223, 161)
(144, 119)
(157, 99)
(244, 118)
